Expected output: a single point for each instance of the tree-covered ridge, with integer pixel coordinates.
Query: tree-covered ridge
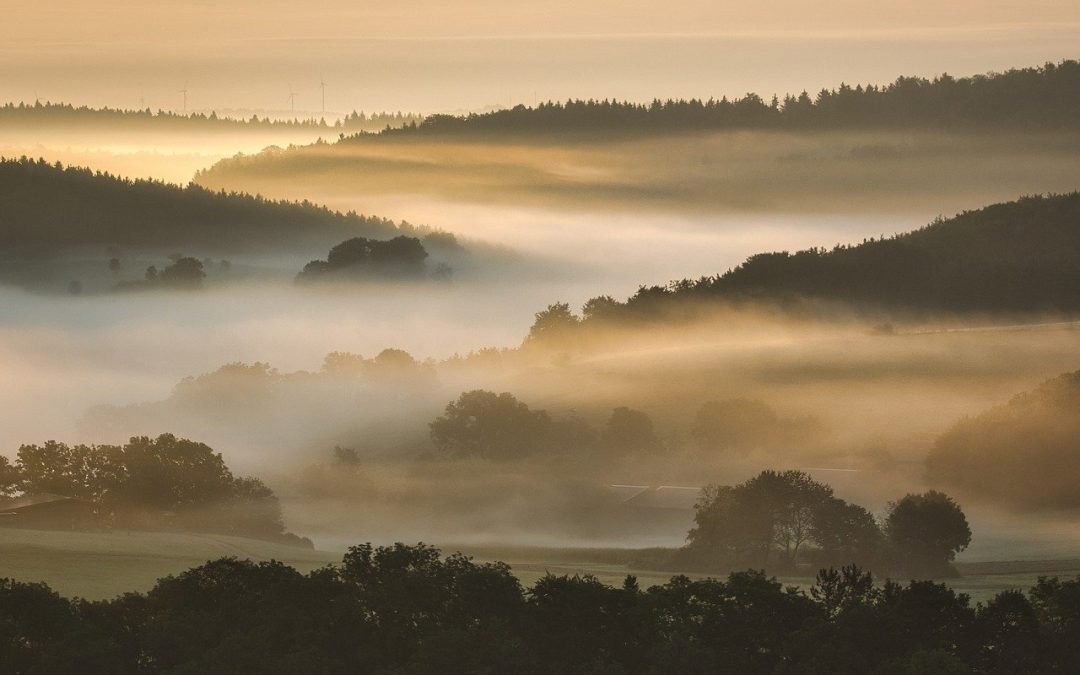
(47, 208)
(407, 609)
(39, 113)
(1021, 256)
(1041, 97)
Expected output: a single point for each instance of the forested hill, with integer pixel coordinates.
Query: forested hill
(1021, 256)
(1027, 98)
(47, 208)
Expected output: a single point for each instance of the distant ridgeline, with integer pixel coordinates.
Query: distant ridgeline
(1046, 97)
(1021, 256)
(25, 114)
(47, 208)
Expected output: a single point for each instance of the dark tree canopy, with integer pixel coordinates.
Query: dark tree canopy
(927, 531)
(408, 609)
(785, 520)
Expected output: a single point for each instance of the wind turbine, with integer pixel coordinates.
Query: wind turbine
(322, 86)
(292, 102)
(184, 92)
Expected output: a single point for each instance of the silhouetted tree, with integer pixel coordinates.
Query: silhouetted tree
(778, 519)
(926, 532)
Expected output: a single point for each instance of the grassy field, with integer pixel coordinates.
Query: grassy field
(97, 565)
(103, 565)
(980, 580)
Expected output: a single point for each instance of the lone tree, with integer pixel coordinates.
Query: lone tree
(926, 532)
(489, 425)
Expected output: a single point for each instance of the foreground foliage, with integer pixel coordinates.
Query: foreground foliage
(406, 609)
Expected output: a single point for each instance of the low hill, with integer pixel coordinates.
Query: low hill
(1021, 256)
(1025, 453)
(48, 208)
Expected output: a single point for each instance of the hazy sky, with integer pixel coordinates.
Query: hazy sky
(431, 55)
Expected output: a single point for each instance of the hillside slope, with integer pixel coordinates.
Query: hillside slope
(47, 208)
(1021, 256)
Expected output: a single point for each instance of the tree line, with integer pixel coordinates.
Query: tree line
(407, 609)
(1046, 97)
(39, 112)
(149, 483)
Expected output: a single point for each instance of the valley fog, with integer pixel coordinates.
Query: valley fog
(128, 347)
(103, 366)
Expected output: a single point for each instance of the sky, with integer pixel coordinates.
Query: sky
(445, 56)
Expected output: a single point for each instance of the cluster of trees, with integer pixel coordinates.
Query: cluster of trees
(1023, 453)
(406, 609)
(48, 208)
(484, 424)
(1027, 98)
(39, 113)
(494, 426)
(156, 483)
(786, 520)
(363, 258)
(182, 273)
(1020, 257)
